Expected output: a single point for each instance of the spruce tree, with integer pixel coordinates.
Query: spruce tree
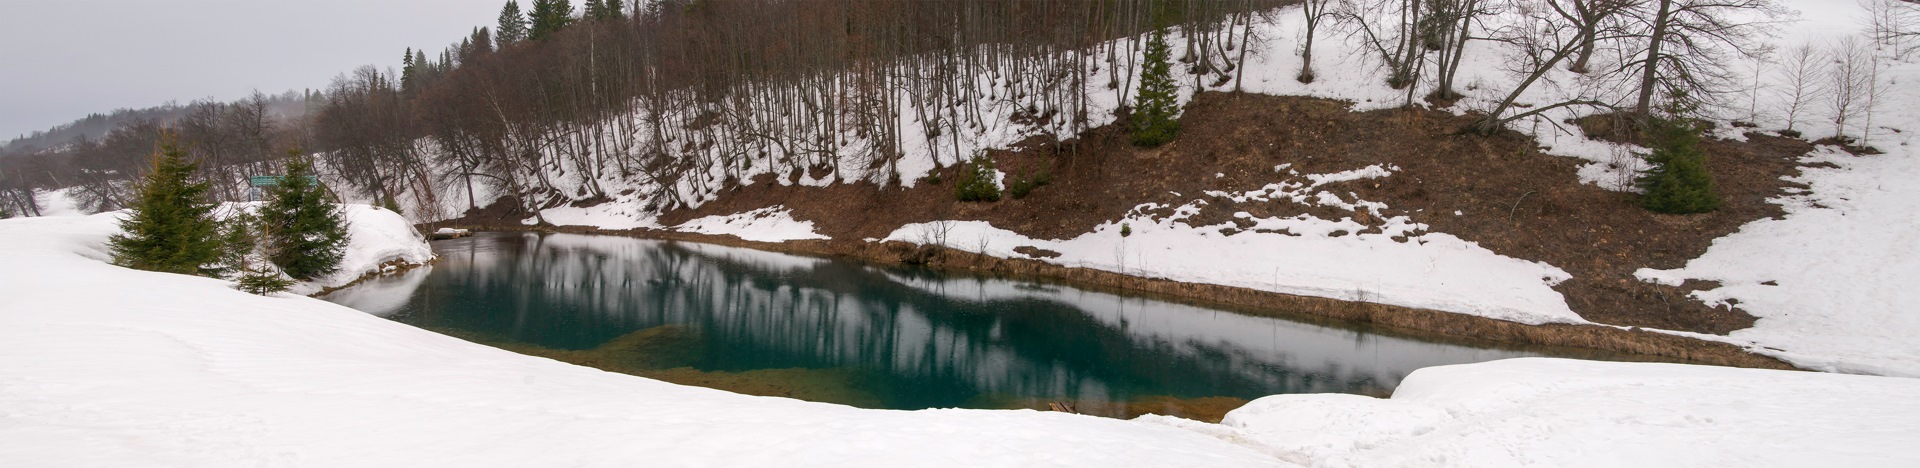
(596, 10)
(616, 9)
(513, 25)
(549, 17)
(306, 235)
(1155, 104)
(170, 227)
(1678, 182)
(407, 71)
(262, 281)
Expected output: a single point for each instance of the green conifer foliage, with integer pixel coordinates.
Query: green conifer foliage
(549, 17)
(306, 234)
(1678, 182)
(171, 227)
(262, 281)
(1157, 102)
(512, 27)
(975, 182)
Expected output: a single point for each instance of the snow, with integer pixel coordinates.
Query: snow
(1434, 271)
(106, 366)
(375, 237)
(1401, 264)
(1559, 412)
(770, 224)
(1832, 282)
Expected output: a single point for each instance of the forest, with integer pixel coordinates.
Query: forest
(678, 99)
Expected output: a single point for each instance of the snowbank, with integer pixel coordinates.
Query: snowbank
(376, 239)
(770, 224)
(1559, 412)
(107, 366)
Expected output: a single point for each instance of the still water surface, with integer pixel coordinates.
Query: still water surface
(904, 339)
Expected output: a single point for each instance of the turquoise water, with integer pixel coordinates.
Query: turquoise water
(914, 338)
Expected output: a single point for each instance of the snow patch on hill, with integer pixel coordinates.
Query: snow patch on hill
(1395, 263)
(770, 224)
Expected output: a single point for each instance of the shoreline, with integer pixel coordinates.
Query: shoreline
(1417, 323)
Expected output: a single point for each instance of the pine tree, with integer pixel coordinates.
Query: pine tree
(616, 9)
(513, 25)
(549, 17)
(306, 234)
(171, 227)
(1155, 105)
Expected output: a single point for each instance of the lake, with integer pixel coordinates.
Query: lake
(881, 337)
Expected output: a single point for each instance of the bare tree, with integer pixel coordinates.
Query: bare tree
(1686, 46)
(1803, 71)
(1313, 11)
(1849, 81)
(1549, 32)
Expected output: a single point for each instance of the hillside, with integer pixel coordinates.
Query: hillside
(1324, 190)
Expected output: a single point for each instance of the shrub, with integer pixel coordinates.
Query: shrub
(1125, 230)
(975, 181)
(1020, 187)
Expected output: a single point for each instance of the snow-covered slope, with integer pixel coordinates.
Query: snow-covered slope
(1559, 412)
(106, 366)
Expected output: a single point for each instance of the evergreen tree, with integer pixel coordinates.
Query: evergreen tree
(306, 234)
(242, 239)
(407, 71)
(1154, 106)
(549, 17)
(616, 9)
(596, 10)
(262, 281)
(1678, 182)
(171, 227)
(513, 25)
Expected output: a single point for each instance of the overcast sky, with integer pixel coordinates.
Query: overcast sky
(63, 59)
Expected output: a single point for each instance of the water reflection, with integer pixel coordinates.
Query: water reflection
(921, 339)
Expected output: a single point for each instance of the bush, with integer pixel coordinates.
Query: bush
(1020, 187)
(1125, 230)
(1678, 182)
(975, 182)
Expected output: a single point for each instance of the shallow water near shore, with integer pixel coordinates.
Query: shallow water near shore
(845, 332)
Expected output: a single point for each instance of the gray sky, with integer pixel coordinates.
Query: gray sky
(63, 59)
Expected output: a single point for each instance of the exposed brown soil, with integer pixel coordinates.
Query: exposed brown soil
(1514, 200)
